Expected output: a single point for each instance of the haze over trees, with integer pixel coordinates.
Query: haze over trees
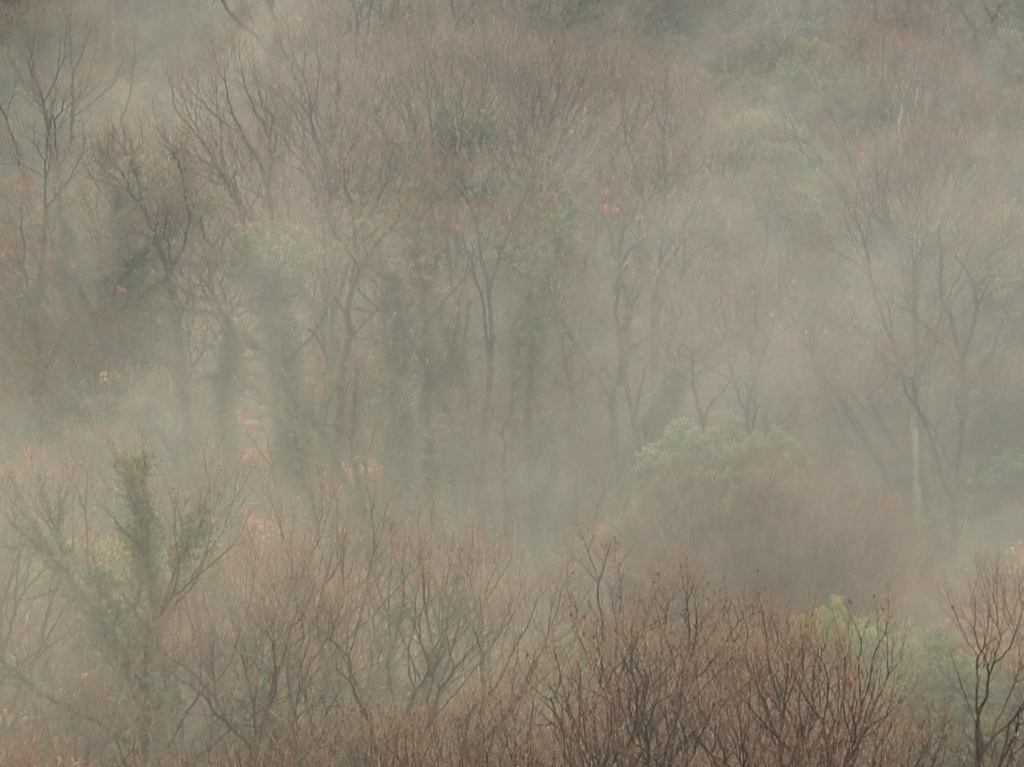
(511, 382)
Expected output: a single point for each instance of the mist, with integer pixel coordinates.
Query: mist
(506, 382)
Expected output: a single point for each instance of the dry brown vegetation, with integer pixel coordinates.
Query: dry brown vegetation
(171, 628)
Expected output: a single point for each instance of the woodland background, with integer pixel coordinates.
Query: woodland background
(511, 382)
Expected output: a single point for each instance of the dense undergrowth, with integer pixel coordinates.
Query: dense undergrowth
(230, 622)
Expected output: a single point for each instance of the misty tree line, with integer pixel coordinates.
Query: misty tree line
(494, 249)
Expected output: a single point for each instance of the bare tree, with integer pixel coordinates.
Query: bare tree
(925, 221)
(57, 82)
(987, 674)
(123, 570)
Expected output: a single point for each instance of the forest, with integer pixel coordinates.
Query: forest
(512, 383)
